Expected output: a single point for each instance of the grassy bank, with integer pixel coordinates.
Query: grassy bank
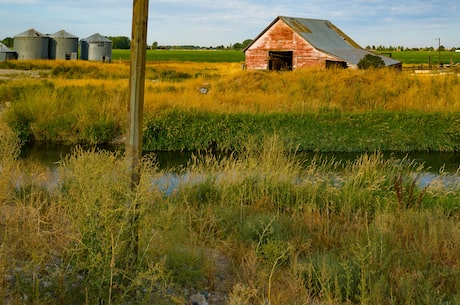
(322, 131)
(342, 110)
(258, 229)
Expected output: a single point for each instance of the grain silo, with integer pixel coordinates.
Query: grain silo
(6, 53)
(96, 48)
(63, 45)
(31, 45)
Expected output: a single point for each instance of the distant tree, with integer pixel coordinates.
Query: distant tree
(120, 42)
(237, 45)
(8, 41)
(155, 45)
(441, 48)
(246, 43)
(371, 61)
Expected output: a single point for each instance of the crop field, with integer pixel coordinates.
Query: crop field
(425, 57)
(255, 226)
(406, 57)
(186, 55)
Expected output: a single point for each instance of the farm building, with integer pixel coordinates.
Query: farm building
(31, 45)
(290, 43)
(6, 53)
(63, 45)
(96, 48)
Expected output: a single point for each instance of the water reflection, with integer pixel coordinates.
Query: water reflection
(49, 154)
(172, 162)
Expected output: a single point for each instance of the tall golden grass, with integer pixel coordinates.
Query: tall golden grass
(231, 90)
(259, 224)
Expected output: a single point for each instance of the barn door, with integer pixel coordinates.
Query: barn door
(280, 60)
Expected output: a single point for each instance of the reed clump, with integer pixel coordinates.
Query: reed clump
(255, 226)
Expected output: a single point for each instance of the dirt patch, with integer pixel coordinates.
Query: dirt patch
(11, 73)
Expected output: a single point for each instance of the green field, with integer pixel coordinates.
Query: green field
(423, 57)
(186, 55)
(406, 57)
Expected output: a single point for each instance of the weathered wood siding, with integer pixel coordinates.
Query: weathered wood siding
(280, 37)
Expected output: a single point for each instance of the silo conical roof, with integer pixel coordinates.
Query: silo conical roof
(4, 48)
(97, 38)
(63, 34)
(30, 33)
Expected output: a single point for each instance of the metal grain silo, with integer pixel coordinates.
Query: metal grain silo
(63, 45)
(6, 53)
(96, 48)
(31, 45)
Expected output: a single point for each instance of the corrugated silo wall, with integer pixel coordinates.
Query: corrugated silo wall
(63, 48)
(100, 51)
(84, 49)
(4, 56)
(32, 47)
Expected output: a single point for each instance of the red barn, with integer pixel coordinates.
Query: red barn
(290, 43)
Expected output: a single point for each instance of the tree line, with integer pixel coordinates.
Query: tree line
(402, 48)
(124, 43)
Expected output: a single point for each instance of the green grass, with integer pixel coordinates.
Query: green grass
(262, 227)
(185, 55)
(325, 131)
(423, 57)
(406, 57)
(257, 224)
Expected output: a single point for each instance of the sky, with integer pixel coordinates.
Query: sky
(410, 23)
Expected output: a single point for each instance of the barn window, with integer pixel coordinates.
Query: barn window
(332, 64)
(280, 60)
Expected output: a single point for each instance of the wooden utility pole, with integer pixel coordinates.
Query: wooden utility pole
(136, 102)
(439, 52)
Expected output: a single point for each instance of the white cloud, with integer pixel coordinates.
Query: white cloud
(212, 22)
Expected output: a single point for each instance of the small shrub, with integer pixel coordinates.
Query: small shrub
(101, 132)
(20, 121)
(371, 61)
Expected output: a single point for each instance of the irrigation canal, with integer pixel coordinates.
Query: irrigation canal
(172, 162)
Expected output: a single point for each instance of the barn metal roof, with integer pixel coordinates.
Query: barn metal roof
(326, 37)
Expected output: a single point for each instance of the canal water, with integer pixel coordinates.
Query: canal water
(49, 155)
(172, 162)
